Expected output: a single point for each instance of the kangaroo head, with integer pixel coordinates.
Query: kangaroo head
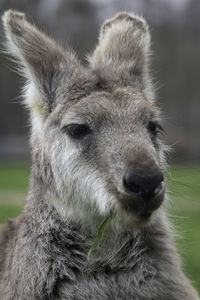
(94, 138)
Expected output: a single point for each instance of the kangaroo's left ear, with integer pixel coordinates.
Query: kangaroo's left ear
(40, 59)
(122, 54)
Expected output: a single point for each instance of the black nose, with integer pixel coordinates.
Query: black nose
(143, 186)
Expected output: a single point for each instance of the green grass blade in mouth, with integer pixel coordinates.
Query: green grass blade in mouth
(101, 231)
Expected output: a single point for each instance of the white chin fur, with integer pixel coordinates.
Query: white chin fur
(81, 189)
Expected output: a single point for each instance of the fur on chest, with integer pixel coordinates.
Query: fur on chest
(68, 271)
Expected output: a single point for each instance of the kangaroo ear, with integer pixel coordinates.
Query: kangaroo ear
(41, 60)
(121, 56)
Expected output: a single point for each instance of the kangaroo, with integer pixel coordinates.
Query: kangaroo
(96, 151)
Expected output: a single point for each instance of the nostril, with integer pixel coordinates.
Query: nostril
(159, 188)
(131, 185)
(158, 178)
(135, 188)
(132, 188)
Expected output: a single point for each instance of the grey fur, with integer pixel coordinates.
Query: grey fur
(75, 184)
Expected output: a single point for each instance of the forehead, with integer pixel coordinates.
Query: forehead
(122, 103)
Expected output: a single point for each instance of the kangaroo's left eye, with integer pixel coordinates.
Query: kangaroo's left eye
(154, 127)
(77, 131)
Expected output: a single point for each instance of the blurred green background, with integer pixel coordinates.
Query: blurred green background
(183, 207)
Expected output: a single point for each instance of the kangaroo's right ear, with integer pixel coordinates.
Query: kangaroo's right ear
(40, 58)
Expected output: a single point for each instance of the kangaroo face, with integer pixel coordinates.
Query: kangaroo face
(94, 139)
(105, 152)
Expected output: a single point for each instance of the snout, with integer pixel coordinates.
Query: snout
(144, 193)
(146, 187)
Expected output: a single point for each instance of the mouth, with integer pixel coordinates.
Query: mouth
(142, 207)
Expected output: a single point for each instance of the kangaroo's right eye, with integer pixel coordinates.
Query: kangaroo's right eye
(77, 131)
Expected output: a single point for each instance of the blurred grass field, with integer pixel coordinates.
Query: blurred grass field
(183, 209)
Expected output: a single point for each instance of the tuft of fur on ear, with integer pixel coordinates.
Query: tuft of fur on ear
(40, 59)
(122, 54)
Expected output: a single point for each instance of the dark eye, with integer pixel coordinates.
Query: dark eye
(154, 127)
(77, 130)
